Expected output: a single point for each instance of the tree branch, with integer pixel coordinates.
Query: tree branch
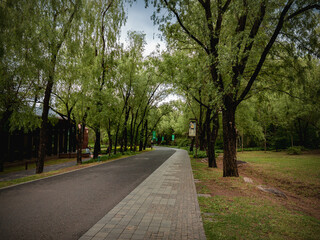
(266, 51)
(240, 67)
(302, 10)
(184, 28)
(66, 28)
(59, 113)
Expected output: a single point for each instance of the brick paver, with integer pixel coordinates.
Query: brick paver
(164, 206)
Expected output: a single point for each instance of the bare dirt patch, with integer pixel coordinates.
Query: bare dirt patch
(299, 195)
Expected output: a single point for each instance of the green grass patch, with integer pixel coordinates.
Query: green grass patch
(300, 172)
(305, 166)
(33, 165)
(113, 156)
(29, 178)
(250, 218)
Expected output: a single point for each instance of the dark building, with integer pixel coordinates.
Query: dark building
(18, 145)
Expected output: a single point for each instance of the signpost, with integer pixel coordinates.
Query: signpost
(193, 132)
(192, 128)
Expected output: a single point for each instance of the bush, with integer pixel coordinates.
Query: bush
(107, 157)
(184, 142)
(200, 154)
(294, 150)
(219, 144)
(250, 149)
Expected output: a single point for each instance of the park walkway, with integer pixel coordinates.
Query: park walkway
(163, 206)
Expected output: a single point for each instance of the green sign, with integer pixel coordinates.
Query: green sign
(172, 137)
(154, 135)
(162, 138)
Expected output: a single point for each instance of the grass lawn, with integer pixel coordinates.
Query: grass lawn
(239, 210)
(33, 165)
(299, 173)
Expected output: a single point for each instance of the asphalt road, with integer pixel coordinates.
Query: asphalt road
(66, 206)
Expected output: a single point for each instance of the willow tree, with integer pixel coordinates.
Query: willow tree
(109, 18)
(42, 28)
(57, 19)
(21, 69)
(237, 37)
(127, 79)
(190, 77)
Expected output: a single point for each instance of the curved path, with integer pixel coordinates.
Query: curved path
(164, 206)
(66, 206)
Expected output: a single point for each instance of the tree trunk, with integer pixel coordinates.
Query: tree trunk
(136, 137)
(141, 140)
(230, 168)
(44, 118)
(110, 137)
(70, 147)
(80, 136)
(97, 146)
(131, 131)
(202, 130)
(145, 136)
(211, 138)
(121, 143)
(202, 136)
(192, 143)
(125, 131)
(116, 140)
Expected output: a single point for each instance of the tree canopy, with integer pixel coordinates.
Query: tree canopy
(247, 71)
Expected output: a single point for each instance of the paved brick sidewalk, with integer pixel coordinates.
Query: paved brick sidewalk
(164, 206)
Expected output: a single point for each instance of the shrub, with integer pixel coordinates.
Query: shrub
(250, 149)
(184, 142)
(294, 150)
(219, 144)
(200, 154)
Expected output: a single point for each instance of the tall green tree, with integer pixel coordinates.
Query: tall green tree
(57, 19)
(108, 18)
(237, 37)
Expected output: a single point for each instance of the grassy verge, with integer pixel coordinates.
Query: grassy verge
(33, 165)
(112, 156)
(252, 218)
(298, 173)
(89, 163)
(237, 210)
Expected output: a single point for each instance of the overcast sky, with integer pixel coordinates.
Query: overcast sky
(139, 19)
